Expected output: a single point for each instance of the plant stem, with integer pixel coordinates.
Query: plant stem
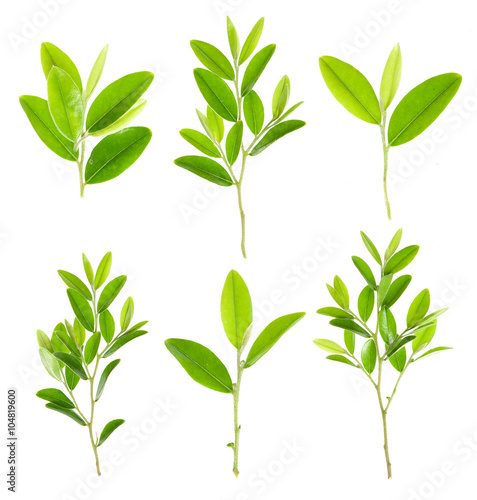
(385, 154)
(236, 394)
(239, 195)
(91, 392)
(80, 164)
(384, 413)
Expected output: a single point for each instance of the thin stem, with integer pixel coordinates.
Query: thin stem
(384, 418)
(239, 196)
(385, 154)
(236, 394)
(80, 164)
(91, 392)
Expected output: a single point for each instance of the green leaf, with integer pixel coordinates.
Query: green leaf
(91, 348)
(116, 153)
(69, 343)
(127, 313)
(200, 141)
(69, 413)
(371, 248)
(82, 309)
(38, 113)
(252, 41)
(212, 58)
(369, 355)
(255, 68)
(233, 142)
(431, 317)
(398, 360)
(79, 334)
(351, 89)
(432, 351)
(44, 341)
(104, 377)
(206, 168)
(103, 270)
(418, 308)
(341, 359)
(280, 97)
(236, 308)
(391, 78)
(65, 103)
(122, 341)
(71, 378)
(350, 341)
(74, 282)
(329, 346)
(289, 111)
(383, 288)
(398, 344)
(217, 94)
(116, 99)
(393, 246)
(216, 124)
(106, 325)
(110, 292)
(234, 42)
(337, 297)
(73, 363)
(396, 289)
(96, 72)
(401, 259)
(50, 363)
(56, 397)
(88, 269)
(270, 336)
(206, 124)
(387, 326)
(423, 338)
(201, 364)
(109, 428)
(253, 112)
(341, 289)
(136, 327)
(51, 56)
(334, 312)
(366, 303)
(275, 133)
(125, 120)
(57, 344)
(421, 106)
(347, 324)
(365, 271)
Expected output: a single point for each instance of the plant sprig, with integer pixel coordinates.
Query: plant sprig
(235, 104)
(69, 357)
(207, 369)
(64, 122)
(417, 110)
(382, 341)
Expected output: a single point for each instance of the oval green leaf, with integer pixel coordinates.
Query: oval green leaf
(366, 303)
(334, 312)
(233, 142)
(252, 41)
(122, 341)
(206, 168)
(371, 248)
(109, 428)
(387, 326)
(280, 97)
(51, 56)
(216, 124)
(103, 270)
(127, 313)
(254, 112)
(91, 348)
(396, 289)
(341, 359)
(106, 325)
(418, 308)
(255, 68)
(74, 282)
(347, 324)
(96, 72)
(369, 355)
(104, 377)
(214, 59)
(44, 341)
(275, 133)
(110, 292)
(200, 141)
(82, 309)
(365, 271)
(69, 413)
(73, 363)
(234, 42)
(125, 120)
(391, 77)
(329, 346)
(56, 397)
(401, 259)
(398, 360)
(50, 363)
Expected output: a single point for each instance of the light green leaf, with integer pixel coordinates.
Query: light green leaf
(109, 428)
(82, 309)
(40, 118)
(103, 270)
(398, 344)
(216, 124)
(136, 327)
(270, 336)
(201, 364)
(212, 58)
(44, 341)
(337, 297)
(106, 325)
(56, 397)
(50, 363)
(401, 259)
(369, 355)
(51, 56)
(200, 141)
(234, 42)
(233, 142)
(351, 89)
(371, 248)
(341, 359)
(432, 351)
(91, 347)
(74, 282)
(125, 120)
(96, 72)
(334, 312)
(236, 308)
(398, 360)
(396, 289)
(110, 292)
(421, 106)
(122, 341)
(252, 41)
(289, 111)
(104, 377)
(418, 308)
(387, 326)
(217, 93)
(280, 97)
(393, 246)
(341, 289)
(127, 313)
(350, 341)
(275, 133)
(365, 271)
(69, 343)
(73, 363)
(254, 112)
(88, 269)
(206, 168)
(329, 346)
(206, 124)
(383, 288)
(69, 413)
(79, 334)
(391, 78)
(423, 338)
(431, 317)
(71, 378)
(65, 103)
(255, 68)
(366, 303)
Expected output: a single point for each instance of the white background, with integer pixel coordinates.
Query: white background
(306, 199)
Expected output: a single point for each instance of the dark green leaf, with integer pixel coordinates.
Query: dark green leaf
(275, 133)
(217, 94)
(387, 326)
(38, 113)
(91, 347)
(116, 99)
(71, 378)
(109, 428)
(270, 336)
(334, 312)
(253, 112)
(82, 309)
(206, 168)
(365, 271)
(401, 259)
(369, 355)
(396, 289)
(106, 325)
(201, 364)
(69, 343)
(233, 142)
(56, 397)
(124, 121)
(252, 41)
(73, 281)
(347, 324)
(371, 248)
(398, 344)
(212, 58)
(73, 363)
(418, 308)
(123, 340)
(421, 106)
(110, 292)
(200, 141)
(255, 68)
(104, 377)
(69, 413)
(366, 303)
(398, 360)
